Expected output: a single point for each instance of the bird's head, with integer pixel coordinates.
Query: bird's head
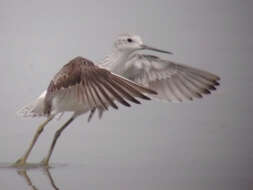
(131, 43)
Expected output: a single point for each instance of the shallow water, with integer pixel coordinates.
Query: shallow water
(74, 176)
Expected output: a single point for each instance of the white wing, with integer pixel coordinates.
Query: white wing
(172, 81)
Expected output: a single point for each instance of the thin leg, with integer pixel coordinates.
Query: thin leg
(56, 136)
(22, 160)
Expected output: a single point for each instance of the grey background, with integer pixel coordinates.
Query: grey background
(206, 144)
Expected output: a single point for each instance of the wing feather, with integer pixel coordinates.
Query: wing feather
(172, 81)
(99, 95)
(124, 93)
(114, 93)
(81, 83)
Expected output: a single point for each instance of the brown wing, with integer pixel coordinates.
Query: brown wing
(94, 86)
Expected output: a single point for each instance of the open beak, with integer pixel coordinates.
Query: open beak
(154, 49)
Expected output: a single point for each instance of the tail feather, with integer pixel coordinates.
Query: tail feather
(34, 109)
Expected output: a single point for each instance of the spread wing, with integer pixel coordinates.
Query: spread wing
(172, 81)
(92, 86)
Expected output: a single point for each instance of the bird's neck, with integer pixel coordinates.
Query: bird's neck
(115, 62)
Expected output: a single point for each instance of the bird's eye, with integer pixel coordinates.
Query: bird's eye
(129, 40)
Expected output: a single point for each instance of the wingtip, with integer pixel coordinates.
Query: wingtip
(146, 97)
(154, 92)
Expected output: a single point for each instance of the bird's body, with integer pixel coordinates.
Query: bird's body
(172, 81)
(80, 86)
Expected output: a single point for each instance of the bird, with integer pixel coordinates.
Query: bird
(81, 86)
(172, 81)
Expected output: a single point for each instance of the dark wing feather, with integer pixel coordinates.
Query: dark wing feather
(68, 76)
(94, 86)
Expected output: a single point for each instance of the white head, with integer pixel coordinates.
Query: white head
(130, 43)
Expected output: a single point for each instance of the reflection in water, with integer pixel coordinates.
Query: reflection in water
(50, 178)
(23, 173)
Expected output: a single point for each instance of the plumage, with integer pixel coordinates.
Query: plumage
(172, 81)
(81, 86)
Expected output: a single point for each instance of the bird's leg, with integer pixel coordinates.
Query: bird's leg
(56, 136)
(22, 161)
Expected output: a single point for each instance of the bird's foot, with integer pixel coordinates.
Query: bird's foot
(44, 162)
(19, 163)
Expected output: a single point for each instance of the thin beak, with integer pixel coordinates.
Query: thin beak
(154, 49)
